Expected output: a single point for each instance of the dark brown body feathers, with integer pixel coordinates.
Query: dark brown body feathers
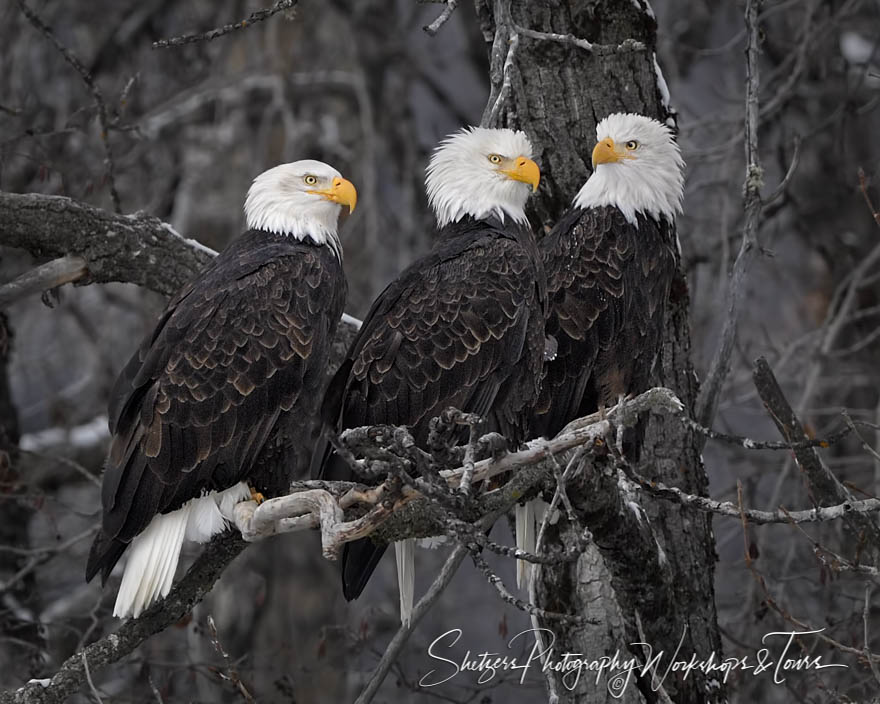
(607, 285)
(462, 327)
(197, 408)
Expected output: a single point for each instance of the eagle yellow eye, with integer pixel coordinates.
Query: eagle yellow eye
(310, 180)
(632, 145)
(495, 158)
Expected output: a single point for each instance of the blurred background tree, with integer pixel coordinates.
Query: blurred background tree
(361, 86)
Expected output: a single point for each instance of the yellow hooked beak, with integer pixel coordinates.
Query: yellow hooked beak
(342, 191)
(606, 152)
(524, 170)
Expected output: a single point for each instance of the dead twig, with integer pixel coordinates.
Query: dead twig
(253, 18)
(707, 403)
(421, 608)
(44, 277)
(231, 675)
(434, 27)
(629, 45)
(89, 80)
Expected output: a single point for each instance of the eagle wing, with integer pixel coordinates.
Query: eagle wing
(462, 327)
(196, 404)
(451, 332)
(607, 284)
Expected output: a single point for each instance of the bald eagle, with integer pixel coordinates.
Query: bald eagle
(462, 326)
(209, 404)
(610, 262)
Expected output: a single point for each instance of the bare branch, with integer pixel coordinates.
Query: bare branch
(425, 603)
(824, 486)
(504, 90)
(435, 26)
(70, 57)
(253, 18)
(731, 510)
(707, 403)
(509, 598)
(138, 248)
(89, 680)
(863, 187)
(750, 444)
(58, 272)
(197, 582)
(792, 167)
(231, 673)
(598, 49)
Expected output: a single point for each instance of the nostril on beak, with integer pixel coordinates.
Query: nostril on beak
(337, 181)
(521, 161)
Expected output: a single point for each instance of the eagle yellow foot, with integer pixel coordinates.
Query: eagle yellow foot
(256, 496)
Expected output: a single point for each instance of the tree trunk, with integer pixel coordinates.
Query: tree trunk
(625, 584)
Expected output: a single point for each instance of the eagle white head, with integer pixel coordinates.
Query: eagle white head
(301, 199)
(481, 172)
(637, 167)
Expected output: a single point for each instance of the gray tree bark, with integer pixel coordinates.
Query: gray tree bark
(653, 580)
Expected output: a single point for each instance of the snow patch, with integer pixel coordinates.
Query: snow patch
(45, 682)
(195, 244)
(636, 509)
(855, 48)
(88, 434)
(644, 6)
(662, 86)
(661, 555)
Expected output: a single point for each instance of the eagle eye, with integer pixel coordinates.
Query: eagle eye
(495, 158)
(632, 145)
(310, 180)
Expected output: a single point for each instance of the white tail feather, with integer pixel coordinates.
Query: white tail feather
(154, 553)
(152, 561)
(525, 539)
(404, 551)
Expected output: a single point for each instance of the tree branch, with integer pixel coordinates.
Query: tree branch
(425, 603)
(707, 403)
(570, 39)
(731, 510)
(101, 106)
(58, 272)
(823, 486)
(253, 18)
(197, 582)
(139, 248)
(434, 27)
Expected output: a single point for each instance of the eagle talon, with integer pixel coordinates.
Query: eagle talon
(256, 496)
